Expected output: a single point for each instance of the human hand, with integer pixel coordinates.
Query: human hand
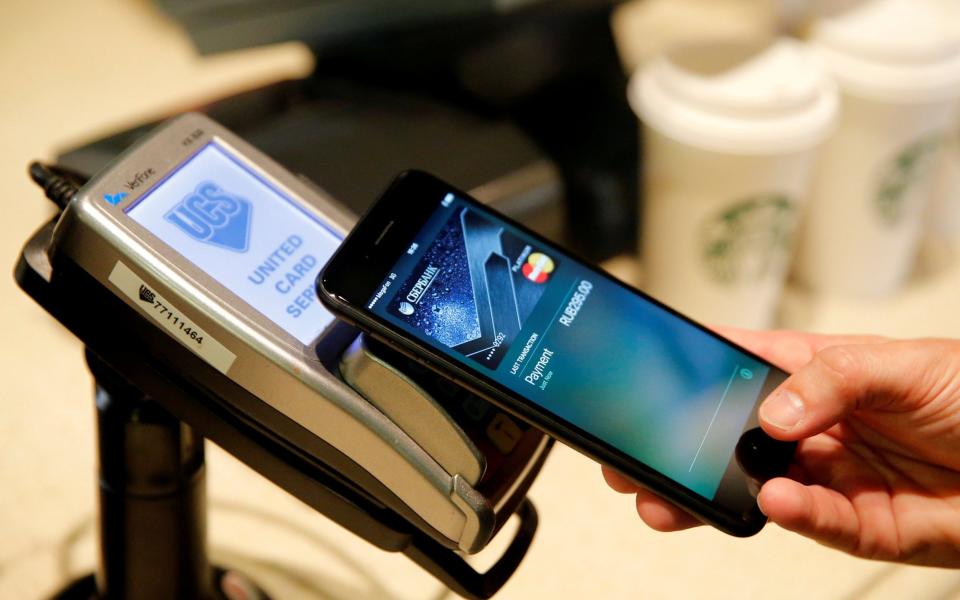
(877, 469)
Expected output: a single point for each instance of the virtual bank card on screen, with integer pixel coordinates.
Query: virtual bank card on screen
(474, 287)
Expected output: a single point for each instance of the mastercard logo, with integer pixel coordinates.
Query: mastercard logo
(538, 267)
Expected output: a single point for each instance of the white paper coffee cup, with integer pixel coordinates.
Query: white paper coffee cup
(898, 66)
(730, 133)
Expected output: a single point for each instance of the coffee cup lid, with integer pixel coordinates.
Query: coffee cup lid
(894, 50)
(761, 97)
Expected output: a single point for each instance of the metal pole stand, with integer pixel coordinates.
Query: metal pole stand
(153, 527)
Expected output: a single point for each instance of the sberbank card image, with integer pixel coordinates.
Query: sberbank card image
(474, 287)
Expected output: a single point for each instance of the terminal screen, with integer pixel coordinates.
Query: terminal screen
(245, 233)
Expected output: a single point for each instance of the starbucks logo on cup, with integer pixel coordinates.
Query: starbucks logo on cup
(749, 240)
(900, 176)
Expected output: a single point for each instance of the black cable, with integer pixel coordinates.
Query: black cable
(58, 184)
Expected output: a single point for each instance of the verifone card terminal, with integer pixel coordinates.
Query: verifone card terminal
(217, 247)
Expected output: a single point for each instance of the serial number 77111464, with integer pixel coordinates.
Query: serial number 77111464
(175, 319)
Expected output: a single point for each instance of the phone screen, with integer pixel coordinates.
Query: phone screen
(592, 352)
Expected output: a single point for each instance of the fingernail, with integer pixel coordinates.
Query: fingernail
(760, 504)
(783, 410)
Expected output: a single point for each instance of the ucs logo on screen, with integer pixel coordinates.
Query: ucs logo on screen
(213, 216)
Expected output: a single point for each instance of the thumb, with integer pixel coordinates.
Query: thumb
(842, 379)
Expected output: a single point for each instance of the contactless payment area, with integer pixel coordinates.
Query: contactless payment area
(231, 223)
(592, 352)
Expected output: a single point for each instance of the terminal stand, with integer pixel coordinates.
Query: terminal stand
(152, 504)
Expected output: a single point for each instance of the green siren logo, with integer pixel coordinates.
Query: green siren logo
(900, 176)
(749, 240)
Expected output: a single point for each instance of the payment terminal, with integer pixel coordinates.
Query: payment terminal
(202, 253)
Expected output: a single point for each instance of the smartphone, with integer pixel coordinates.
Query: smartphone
(599, 365)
